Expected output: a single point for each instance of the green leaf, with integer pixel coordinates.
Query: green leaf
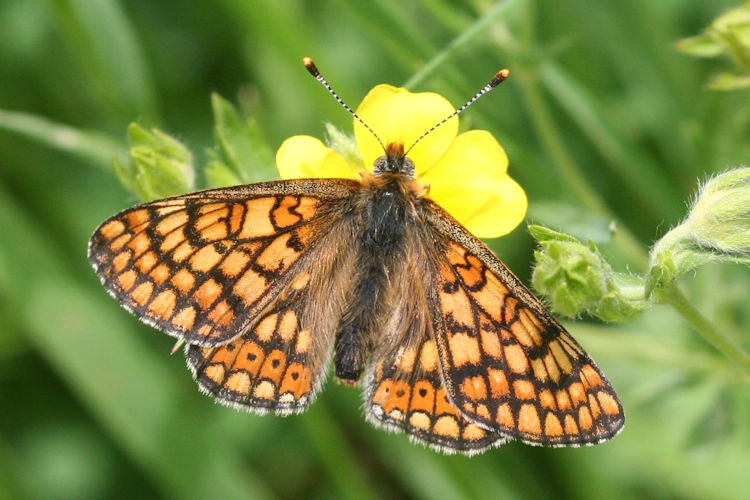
(241, 154)
(700, 46)
(729, 81)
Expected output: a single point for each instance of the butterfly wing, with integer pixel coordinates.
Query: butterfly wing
(202, 266)
(508, 365)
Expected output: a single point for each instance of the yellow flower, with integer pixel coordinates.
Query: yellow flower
(467, 173)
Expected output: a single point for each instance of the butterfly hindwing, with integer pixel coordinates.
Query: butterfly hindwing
(507, 364)
(202, 266)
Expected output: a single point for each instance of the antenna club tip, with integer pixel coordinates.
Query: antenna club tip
(499, 77)
(310, 65)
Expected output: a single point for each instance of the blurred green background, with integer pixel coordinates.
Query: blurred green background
(92, 405)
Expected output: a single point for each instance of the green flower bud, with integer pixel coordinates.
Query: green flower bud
(161, 166)
(344, 145)
(576, 279)
(716, 229)
(728, 35)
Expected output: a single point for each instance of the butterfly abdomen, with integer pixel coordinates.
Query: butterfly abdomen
(383, 212)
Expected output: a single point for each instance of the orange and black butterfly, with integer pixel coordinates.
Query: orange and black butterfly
(268, 283)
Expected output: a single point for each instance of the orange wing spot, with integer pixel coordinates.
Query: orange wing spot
(398, 398)
(591, 376)
(540, 373)
(249, 358)
(257, 220)
(498, 383)
(222, 354)
(146, 261)
(473, 433)
(303, 341)
(456, 254)
(406, 358)
(183, 280)
(464, 350)
(516, 358)
(296, 381)
(288, 325)
(172, 222)
(215, 232)
(183, 251)
(594, 406)
(442, 406)
(547, 400)
(571, 427)
(382, 393)
(163, 305)
(139, 244)
(483, 411)
(173, 239)
(137, 217)
(215, 372)
(278, 255)
(584, 418)
(491, 297)
(447, 426)
(234, 263)
(249, 286)
(265, 390)
(552, 425)
(238, 382)
(205, 259)
(119, 242)
(142, 292)
(491, 344)
(563, 400)
(428, 358)
(420, 420)
(172, 206)
(184, 319)
(520, 333)
(127, 279)
(423, 397)
(523, 389)
(509, 312)
(283, 216)
(235, 217)
(273, 367)
(211, 207)
(457, 305)
(207, 293)
(552, 369)
(531, 325)
(212, 215)
(121, 260)
(221, 314)
(266, 327)
(505, 417)
(307, 207)
(160, 273)
(528, 420)
(112, 229)
(474, 275)
(561, 357)
(300, 281)
(577, 393)
(608, 403)
(474, 388)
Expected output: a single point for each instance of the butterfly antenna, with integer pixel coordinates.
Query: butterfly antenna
(499, 77)
(310, 65)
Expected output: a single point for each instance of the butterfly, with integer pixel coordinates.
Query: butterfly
(269, 284)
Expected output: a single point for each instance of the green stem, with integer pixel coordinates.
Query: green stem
(672, 296)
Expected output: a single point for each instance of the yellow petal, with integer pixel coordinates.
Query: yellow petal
(302, 156)
(397, 115)
(471, 183)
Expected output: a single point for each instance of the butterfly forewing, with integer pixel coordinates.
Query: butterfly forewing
(202, 266)
(507, 364)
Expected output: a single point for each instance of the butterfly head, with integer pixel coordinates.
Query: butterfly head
(394, 161)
